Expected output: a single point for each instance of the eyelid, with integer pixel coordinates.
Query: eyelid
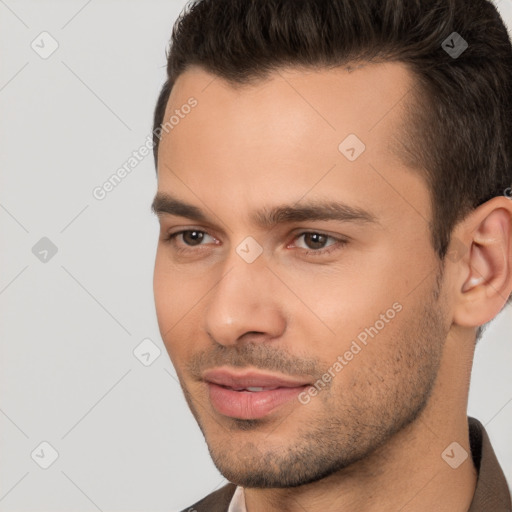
(339, 243)
(171, 236)
(303, 232)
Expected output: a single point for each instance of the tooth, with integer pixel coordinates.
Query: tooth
(254, 389)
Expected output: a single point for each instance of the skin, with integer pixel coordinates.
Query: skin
(372, 439)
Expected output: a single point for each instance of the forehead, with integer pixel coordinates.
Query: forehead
(282, 135)
(363, 93)
(292, 105)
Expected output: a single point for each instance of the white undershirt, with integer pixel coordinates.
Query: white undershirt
(237, 503)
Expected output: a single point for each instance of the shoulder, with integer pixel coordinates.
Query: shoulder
(217, 501)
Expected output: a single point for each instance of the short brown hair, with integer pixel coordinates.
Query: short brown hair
(458, 128)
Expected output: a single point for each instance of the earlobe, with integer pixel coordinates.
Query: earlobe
(486, 275)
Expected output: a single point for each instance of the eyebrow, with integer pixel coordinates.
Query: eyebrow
(270, 217)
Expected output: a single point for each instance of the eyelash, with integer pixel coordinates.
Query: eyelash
(339, 242)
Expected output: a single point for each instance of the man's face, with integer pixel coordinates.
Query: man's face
(339, 312)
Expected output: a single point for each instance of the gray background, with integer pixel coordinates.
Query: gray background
(70, 323)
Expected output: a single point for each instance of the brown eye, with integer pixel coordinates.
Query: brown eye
(313, 243)
(315, 240)
(192, 237)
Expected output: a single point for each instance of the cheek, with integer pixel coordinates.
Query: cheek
(172, 295)
(366, 356)
(358, 313)
(178, 303)
(164, 290)
(341, 302)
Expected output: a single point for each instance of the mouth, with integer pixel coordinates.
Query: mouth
(251, 395)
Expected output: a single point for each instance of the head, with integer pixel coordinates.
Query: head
(333, 209)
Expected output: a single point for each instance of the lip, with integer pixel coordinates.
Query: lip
(251, 378)
(226, 394)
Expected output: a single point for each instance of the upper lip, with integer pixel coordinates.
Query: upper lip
(252, 378)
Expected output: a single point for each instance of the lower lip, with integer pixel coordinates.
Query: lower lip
(249, 405)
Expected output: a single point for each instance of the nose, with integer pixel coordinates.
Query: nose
(244, 301)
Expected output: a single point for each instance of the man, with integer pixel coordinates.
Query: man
(335, 231)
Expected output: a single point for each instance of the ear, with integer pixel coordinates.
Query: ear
(484, 272)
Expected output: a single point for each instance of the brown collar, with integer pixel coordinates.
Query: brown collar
(492, 492)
